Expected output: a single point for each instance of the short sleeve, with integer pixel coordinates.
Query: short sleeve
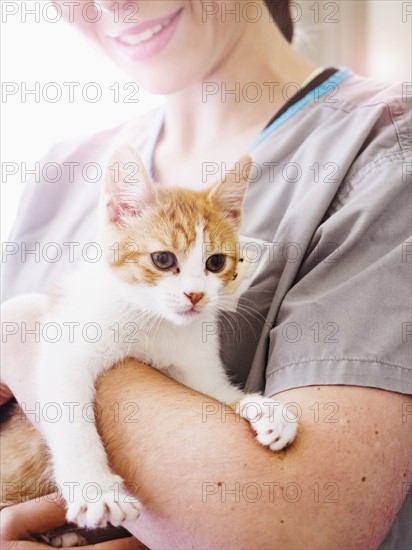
(347, 317)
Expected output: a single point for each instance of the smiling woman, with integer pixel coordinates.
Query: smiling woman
(310, 164)
(53, 91)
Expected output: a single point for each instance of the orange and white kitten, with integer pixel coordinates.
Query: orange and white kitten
(170, 254)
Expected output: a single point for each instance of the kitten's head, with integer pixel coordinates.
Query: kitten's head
(173, 250)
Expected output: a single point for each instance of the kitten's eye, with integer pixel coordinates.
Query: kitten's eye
(216, 263)
(164, 260)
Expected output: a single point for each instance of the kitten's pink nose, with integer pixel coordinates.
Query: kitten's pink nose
(194, 297)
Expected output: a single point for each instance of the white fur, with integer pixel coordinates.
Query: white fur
(182, 343)
(187, 351)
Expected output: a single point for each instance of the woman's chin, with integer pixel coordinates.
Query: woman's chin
(162, 82)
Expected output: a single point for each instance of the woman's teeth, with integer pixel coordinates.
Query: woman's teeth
(133, 39)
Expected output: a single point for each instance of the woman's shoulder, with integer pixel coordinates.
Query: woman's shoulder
(380, 110)
(363, 91)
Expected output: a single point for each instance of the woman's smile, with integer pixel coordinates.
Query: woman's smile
(148, 38)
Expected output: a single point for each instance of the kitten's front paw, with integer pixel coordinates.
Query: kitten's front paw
(275, 426)
(67, 540)
(113, 505)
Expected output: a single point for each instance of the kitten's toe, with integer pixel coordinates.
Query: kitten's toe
(111, 510)
(77, 512)
(275, 427)
(112, 505)
(67, 540)
(106, 510)
(284, 438)
(130, 508)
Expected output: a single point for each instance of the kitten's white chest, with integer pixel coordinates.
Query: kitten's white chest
(173, 348)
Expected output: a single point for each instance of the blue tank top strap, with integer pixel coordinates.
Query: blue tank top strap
(314, 94)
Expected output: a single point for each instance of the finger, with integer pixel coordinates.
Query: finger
(23, 545)
(5, 394)
(128, 543)
(21, 521)
(33, 517)
(45, 514)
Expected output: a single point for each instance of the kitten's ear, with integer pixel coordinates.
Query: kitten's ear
(230, 192)
(128, 190)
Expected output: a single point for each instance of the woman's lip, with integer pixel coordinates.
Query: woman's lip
(141, 27)
(148, 48)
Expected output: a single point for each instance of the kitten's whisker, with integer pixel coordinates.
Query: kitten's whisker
(231, 223)
(224, 313)
(155, 325)
(246, 306)
(216, 234)
(149, 315)
(123, 315)
(226, 215)
(248, 299)
(237, 322)
(139, 319)
(149, 330)
(245, 318)
(257, 290)
(130, 314)
(141, 323)
(259, 323)
(252, 311)
(249, 310)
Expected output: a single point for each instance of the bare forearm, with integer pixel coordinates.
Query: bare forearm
(205, 483)
(182, 453)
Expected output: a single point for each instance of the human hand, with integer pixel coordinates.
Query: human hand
(5, 394)
(21, 523)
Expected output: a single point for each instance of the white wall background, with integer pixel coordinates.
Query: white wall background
(371, 37)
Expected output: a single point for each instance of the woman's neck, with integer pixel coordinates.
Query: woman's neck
(219, 117)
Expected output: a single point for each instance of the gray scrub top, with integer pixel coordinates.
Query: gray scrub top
(323, 295)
